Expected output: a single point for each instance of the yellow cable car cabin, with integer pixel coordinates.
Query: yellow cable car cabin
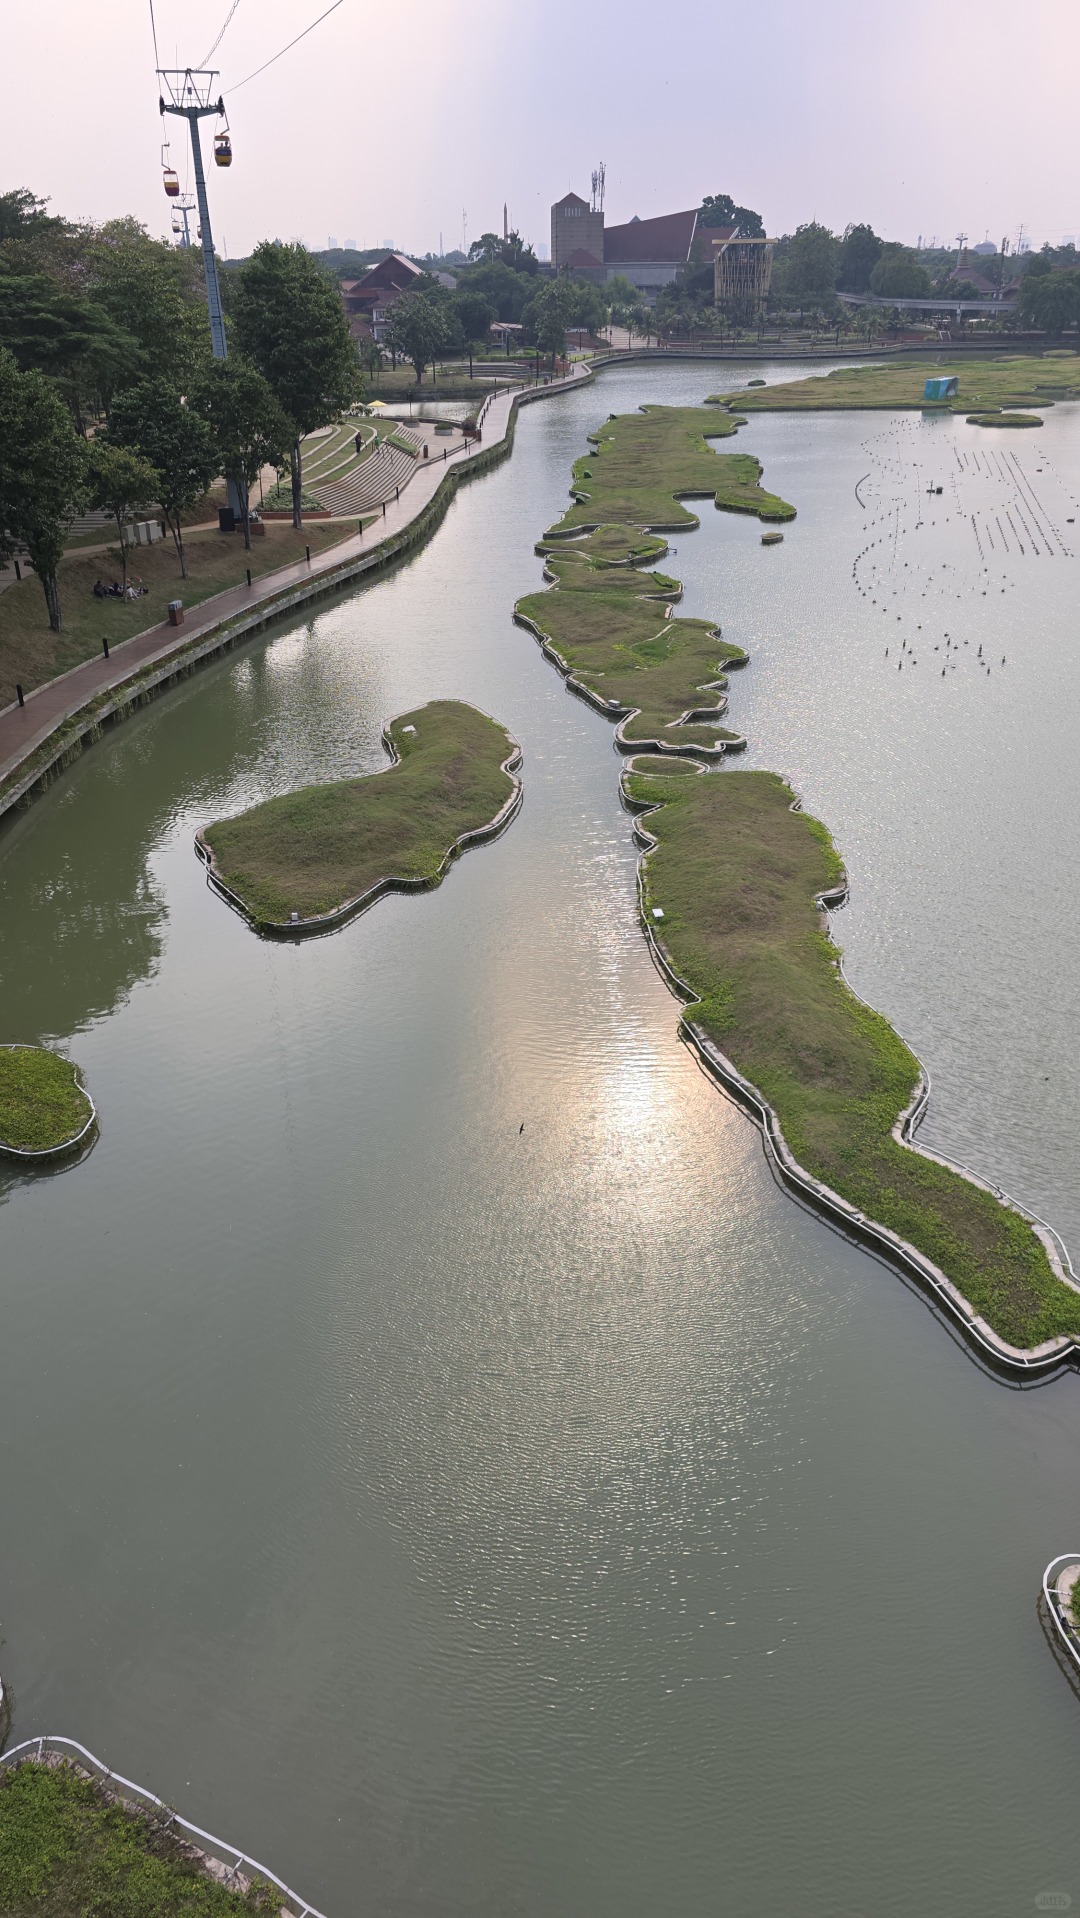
(171, 183)
(222, 150)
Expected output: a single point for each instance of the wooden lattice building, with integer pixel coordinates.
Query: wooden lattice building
(742, 270)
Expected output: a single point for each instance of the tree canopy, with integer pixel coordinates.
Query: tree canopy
(898, 275)
(154, 420)
(806, 274)
(42, 473)
(719, 209)
(860, 251)
(1051, 300)
(249, 427)
(418, 329)
(291, 325)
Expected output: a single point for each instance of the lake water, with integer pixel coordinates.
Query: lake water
(474, 1522)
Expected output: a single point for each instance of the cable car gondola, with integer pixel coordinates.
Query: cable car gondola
(222, 149)
(177, 223)
(171, 183)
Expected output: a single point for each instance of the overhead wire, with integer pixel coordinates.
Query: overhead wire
(207, 57)
(153, 29)
(292, 43)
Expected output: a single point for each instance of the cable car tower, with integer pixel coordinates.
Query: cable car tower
(187, 92)
(180, 222)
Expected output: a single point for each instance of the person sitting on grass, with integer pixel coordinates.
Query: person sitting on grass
(99, 590)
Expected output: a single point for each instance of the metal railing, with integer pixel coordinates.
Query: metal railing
(36, 1750)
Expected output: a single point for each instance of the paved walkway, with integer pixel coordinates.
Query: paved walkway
(24, 729)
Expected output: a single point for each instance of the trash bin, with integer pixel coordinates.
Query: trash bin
(226, 519)
(176, 612)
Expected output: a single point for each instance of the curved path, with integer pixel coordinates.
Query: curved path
(26, 730)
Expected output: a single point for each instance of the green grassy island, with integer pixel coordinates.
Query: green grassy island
(1018, 381)
(43, 1107)
(606, 621)
(736, 874)
(1004, 419)
(66, 1846)
(325, 851)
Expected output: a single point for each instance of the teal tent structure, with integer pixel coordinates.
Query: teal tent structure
(940, 389)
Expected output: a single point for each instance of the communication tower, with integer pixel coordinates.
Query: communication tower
(598, 179)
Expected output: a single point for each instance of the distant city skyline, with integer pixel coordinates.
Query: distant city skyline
(913, 122)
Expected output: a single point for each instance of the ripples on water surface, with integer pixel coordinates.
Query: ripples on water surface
(475, 1522)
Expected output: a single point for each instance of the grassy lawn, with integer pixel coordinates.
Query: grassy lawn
(314, 850)
(41, 1102)
(644, 463)
(453, 382)
(30, 654)
(1016, 381)
(606, 617)
(65, 1850)
(610, 624)
(1004, 419)
(736, 873)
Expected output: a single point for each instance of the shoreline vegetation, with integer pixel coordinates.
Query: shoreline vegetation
(43, 1107)
(605, 621)
(991, 383)
(735, 875)
(308, 859)
(68, 1844)
(737, 871)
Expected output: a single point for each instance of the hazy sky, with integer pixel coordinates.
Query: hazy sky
(387, 122)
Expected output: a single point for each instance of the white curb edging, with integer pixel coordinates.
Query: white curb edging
(35, 1155)
(36, 1750)
(1025, 1361)
(331, 921)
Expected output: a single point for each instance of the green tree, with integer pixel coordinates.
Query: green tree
(509, 292)
(719, 209)
(549, 313)
(807, 272)
(475, 312)
(54, 331)
(417, 329)
(155, 421)
(1051, 300)
(42, 470)
(898, 275)
(249, 427)
(860, 251)
(155, 293)
(22, 213)
(291, 325)
(122, 483)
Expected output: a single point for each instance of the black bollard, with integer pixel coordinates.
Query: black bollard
(249, 575)
(384, 509)
(105, 644)
(307, 554)
(18, 570)
(22, 701)
(360, 527)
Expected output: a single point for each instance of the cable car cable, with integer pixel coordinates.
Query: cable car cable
(207, 57)
(292, 43)
(153, 29)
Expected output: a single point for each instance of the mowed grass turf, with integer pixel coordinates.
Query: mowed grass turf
(645, 463)
(1015, 381)
(736, 873)
(610, 625)
(606, 618)
(42, 1104)
(65, 1850)
(315, 850)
